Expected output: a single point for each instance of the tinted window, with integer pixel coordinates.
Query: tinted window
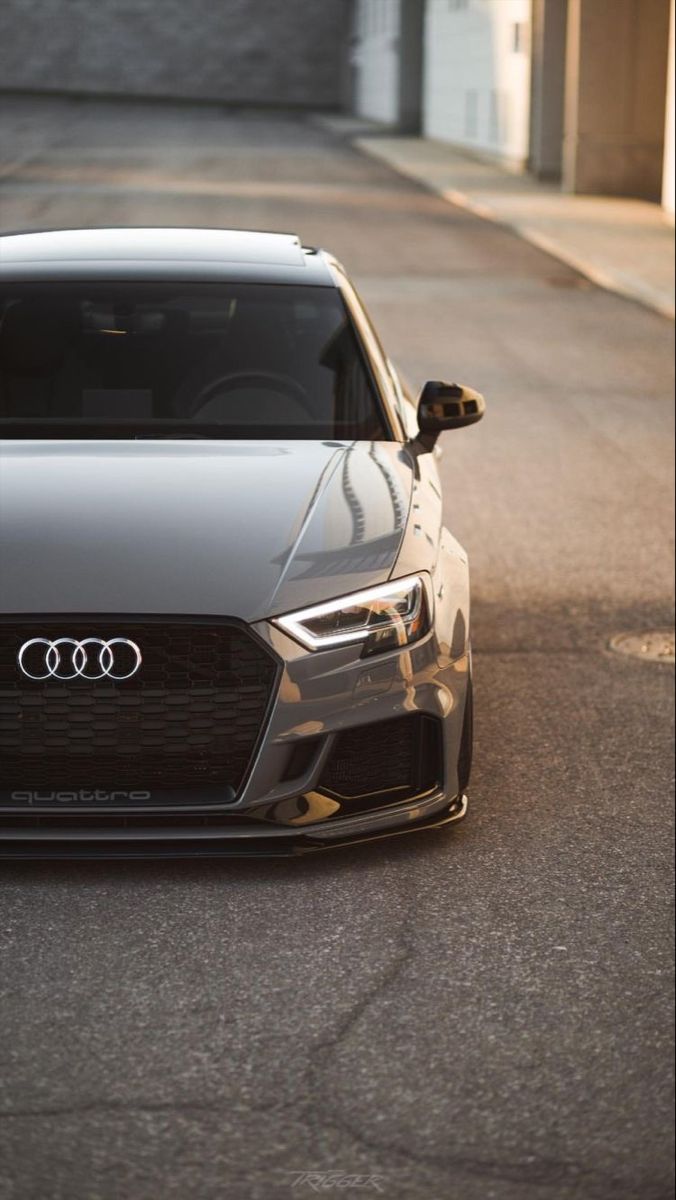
(245, 360)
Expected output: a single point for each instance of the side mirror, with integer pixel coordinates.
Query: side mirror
(447, 406)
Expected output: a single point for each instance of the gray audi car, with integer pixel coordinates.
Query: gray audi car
(231, 618)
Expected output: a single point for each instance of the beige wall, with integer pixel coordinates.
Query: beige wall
(669, 166)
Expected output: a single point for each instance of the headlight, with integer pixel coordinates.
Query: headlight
(382, 618)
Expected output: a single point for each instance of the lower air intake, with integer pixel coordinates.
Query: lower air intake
(386, 761)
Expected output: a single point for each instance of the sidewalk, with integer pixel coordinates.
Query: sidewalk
(624, 245)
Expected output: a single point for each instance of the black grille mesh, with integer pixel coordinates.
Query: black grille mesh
(396, 758)
(191, 717)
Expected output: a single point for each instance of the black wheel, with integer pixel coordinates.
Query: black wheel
(467, 740)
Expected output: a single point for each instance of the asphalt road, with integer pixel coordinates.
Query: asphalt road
(469, 1014)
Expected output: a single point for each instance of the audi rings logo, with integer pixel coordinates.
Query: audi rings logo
(92, 658)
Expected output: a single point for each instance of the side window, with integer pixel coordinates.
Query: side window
(374, 350)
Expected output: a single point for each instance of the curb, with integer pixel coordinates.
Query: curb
(628, 289)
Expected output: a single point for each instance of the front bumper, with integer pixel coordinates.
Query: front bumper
(285, 807)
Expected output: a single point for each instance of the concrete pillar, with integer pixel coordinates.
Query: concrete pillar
(616, 75)
(668, 176)
(412, 15)
(548, 74)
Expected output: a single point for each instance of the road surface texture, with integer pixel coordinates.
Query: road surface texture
(468, 1014)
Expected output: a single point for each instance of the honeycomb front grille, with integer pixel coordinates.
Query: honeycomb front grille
(191, 718)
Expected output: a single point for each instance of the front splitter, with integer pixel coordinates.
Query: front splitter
(289, 846)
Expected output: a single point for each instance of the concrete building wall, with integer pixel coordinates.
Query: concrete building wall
(250, 51)
(476, 90)
(387, 61)
(616, 81)
(376, 59)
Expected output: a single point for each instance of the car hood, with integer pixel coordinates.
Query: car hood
(245, 529)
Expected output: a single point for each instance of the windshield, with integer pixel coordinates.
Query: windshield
(230, 361)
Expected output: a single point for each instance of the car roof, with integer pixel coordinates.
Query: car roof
(161, 253)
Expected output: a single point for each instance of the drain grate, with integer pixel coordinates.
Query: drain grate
(657, 645)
